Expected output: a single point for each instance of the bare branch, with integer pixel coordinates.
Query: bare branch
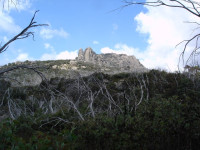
(187, 42)
(25, 33)
(177, 4)
(24, 67)
(190, 6)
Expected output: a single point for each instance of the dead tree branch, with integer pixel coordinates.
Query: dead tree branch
(190, 6)
(9, 2)
(25, 33)
(24, 67)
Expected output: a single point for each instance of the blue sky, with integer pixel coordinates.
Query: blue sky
(148, 33)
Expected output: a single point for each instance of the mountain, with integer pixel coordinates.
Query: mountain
(120, 106)
(122, 62)
(87, 63)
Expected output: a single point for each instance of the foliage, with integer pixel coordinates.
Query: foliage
(168, 116)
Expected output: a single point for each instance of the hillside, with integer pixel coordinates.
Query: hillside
(148, 109)
(87, 63)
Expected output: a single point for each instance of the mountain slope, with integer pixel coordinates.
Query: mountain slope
(87, 63)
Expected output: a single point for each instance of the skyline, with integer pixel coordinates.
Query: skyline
(150, 34)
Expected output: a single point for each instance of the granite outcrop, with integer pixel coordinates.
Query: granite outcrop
(121, 62)
(87, 63)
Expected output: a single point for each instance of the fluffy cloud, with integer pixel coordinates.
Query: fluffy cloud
(53, 55)
(58, 56)
(23, 57)
(48, 33)
(149, 59)
(67, 55)
(48, 56)
(7, 24)
(166, 28)
(120, 49)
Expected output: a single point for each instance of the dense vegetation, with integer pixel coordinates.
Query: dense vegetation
(154, 110)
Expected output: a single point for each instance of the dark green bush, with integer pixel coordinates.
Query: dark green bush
(169, 119)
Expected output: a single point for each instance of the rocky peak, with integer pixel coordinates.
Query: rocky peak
(87, 63)
(120, 61)
(80, 55)
(89, 55)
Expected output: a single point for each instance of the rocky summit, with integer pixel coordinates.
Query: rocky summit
(121, 62)
(87, 63)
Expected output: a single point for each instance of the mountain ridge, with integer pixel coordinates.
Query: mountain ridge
(87, 63)
(121, 61)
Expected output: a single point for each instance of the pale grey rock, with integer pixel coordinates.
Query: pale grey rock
(87, 63)
(72, 62)
(89, 55)
(119, 62)
(54, 66)
(80, 55)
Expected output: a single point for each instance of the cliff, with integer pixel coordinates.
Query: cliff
(111, 60)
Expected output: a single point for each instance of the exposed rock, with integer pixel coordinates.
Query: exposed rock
(74, 68)
(111, 60)
(89, 55)
(55, 66)
(80, 55)
(83, 67)
(87, 63)
(18, 62)
(73, 62)
(63, 68)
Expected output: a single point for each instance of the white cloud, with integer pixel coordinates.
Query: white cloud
(95, 42)
(22, 57)
(7, 24)
(48, 33)
(67, 55)
(58, 56)
(48, 56)
(14, 55)
(148, 58)
(166, 28)
(53, 55)
(120, 49)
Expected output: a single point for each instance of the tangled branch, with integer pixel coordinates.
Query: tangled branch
(24, 67)
(190, 6)
(25, 33)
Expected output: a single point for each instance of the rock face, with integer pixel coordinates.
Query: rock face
(87, 63)
(80, 55)
(111, 60)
